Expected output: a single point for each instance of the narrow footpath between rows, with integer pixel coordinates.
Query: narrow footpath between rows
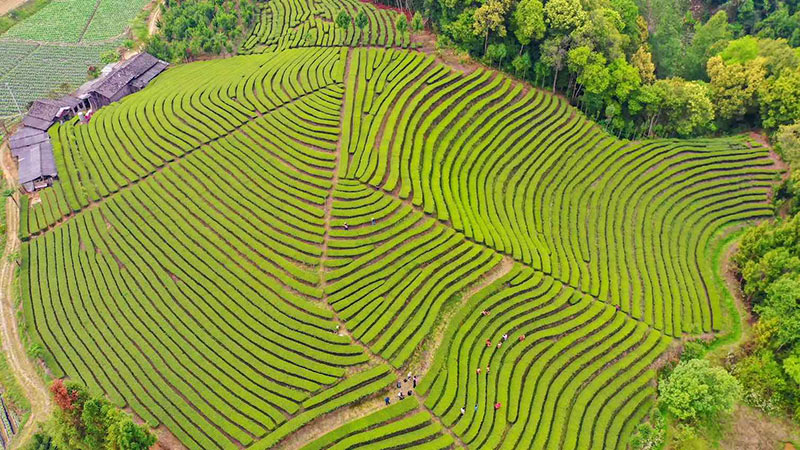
(29, 380)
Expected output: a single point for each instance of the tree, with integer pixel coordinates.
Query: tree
(564, 16)
(554, 54)
(602, 32)
(684, 106)
(734, 87)
(491, 16)
(87, 422)
(123, 434)
(781, 308)
(642, 60)
(589, 69)
(401, 24)
(343, 20)
(787, 143)
(745, 15)
(528, 22)
(522, 64)
(779, 98)
(361, 22)
(695, 391)
(496, 53)
(417, 23)
(709, 40)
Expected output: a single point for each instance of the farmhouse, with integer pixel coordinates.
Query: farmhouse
(31, 143)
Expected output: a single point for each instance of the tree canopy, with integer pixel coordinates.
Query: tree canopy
(695, 391)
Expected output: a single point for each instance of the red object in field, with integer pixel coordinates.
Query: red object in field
(497, 405)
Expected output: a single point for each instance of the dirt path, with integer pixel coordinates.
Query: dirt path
(8, 5)
(27, 377)
(152, 22)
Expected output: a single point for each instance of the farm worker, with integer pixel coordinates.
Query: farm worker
(487, 370)
(497, 406)
(345, 226)
(386, 400)
(399, 385)
(415, 381)
(521, 337)
(499, 344)
(478, 371)
(408, 376)
(476, 407)
(410, 392)
(463, 410)
(373, 221)
(485, 312)
(488, 343)
(505, 337)
(400, 394)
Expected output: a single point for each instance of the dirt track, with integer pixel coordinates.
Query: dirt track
(8, 5)
(27, 377)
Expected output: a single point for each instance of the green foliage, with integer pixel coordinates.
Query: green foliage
(766, 253)
(709, 40)
(192, 28)
(734, 87)
(361, 20)
(684, 107)
(741, 50)
(693, 350)
(109, 56)
(417, 22)
(521, 64)
(528, 21)
(696, 391)
(41, 441)
(496, 53)
(787, 143)
(343, 20)
(651, 434)
(780, 99)
(769, 261)
(401, 24)
(87, 422)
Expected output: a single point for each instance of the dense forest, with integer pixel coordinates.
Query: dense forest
(657, 68)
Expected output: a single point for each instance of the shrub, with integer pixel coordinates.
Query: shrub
(696, 391)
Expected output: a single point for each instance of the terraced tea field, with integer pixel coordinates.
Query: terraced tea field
(286, 24)
(252, 248)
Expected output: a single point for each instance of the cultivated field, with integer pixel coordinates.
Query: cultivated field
(286, 24)
(254, 243)
(57, 45)
(31, 71)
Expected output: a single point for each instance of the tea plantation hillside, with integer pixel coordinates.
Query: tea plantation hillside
(286, 24)
(250, 246)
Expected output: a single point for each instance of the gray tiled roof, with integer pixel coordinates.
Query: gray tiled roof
(36, 161)
(130, 70)
(26, 137)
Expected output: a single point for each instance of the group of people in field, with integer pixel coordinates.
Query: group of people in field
(413, 379)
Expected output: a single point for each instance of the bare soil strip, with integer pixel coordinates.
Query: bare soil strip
(30, 381)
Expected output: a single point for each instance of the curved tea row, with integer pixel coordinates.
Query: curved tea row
(521, 172)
